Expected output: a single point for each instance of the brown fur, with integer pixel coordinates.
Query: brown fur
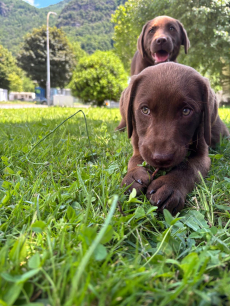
(163, 27)
(164, 137)
(147, 45)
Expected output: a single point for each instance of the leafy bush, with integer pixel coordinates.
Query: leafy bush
(28, 84)
(10, 74)
(98, 77)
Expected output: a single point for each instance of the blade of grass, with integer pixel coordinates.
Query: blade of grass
(90, 251)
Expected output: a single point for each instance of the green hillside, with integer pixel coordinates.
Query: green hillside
(18, 17)
(87, 21)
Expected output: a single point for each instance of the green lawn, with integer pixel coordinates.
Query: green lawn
(64, 240)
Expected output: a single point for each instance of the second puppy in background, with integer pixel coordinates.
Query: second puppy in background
(159, 42)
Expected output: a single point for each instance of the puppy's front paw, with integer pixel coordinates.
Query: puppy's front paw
(140, 179)
(164, 195)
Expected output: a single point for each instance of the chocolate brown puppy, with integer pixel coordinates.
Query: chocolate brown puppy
(159, 41)
(171, 114)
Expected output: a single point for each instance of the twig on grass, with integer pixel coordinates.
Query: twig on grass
(155, 172)
(46, 163)
(120, 209)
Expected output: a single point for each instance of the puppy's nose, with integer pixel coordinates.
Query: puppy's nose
(161, 40)
(162, 159)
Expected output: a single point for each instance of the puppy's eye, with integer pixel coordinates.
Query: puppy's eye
(186, 111)
(171, 28)
(145, 110)
(152, 30)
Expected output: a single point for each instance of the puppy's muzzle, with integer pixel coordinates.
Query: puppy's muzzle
(162, 160)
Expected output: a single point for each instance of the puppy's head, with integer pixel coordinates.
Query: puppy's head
(161, 38)
(168, 112)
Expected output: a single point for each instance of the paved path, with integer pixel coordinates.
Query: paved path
(22, 106)
(15, 106)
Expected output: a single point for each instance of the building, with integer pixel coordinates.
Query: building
(3, 94)
(22, 96)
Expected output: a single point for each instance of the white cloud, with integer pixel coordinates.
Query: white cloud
(31, 2)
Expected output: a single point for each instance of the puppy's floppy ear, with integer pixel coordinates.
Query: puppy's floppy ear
(210, 110)
(184, 38)
(140, 41)
(127, 98)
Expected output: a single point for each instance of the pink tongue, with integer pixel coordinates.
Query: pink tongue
(161, 57)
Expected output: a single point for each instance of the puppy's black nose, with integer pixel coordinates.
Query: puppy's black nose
(161, 40)
(162, 159)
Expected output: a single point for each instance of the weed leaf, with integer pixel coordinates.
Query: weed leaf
(132, 194)
(139, 212)
(100, 252)
(13, 293)
(168, 217)
(38, 226)
(34, 261)
(108, 235)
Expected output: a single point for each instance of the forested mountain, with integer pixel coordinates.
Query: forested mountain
(87, 21)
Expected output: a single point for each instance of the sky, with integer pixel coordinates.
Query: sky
(42, 3)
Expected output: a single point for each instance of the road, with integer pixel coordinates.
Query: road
(16, 106)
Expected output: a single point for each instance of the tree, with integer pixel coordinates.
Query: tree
(10, 74)
(15, 82)
(206, 21)
(28, 85)
(77, 50)
(99, 77)
(33, 55)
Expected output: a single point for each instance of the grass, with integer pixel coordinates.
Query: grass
(64, 240)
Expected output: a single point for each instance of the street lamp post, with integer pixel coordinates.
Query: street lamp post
(48, 60)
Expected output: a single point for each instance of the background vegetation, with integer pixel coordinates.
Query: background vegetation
(88, 24)
(17, 18)
(9, 72)
(82, 20)
(11, 76)
(33, 57)
(206, 22)
(99, 77)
